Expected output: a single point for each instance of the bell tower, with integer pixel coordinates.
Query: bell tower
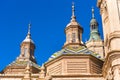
(27, 48)
(94, 33)
(95, 43)
(110, 13)
(73, 31)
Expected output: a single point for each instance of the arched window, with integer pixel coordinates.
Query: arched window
(25, 52)
(73, 37)
(68, 37)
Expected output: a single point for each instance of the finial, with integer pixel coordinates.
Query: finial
(73, 13)
(29, 27)
(73, 9)
(93, 16)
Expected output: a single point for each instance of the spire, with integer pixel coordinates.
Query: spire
(93, 16)
(73, 9)
(73, 13)
(28, 37)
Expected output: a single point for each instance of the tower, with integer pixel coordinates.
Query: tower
(26, 56)
(95, 43)
(27, 48)
(110, 13)
(73, 32)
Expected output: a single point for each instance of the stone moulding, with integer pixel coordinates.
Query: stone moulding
(86, 75)
(113, 35)
(110, 56)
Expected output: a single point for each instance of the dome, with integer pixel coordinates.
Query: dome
(28, 40)
(93, 22)
(94, 36)
(73, 24)
(70, 50)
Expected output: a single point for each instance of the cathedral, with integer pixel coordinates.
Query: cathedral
(96, 59)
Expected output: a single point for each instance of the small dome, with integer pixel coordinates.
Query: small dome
(95, 36)
(73, 23)
(93, 21)
(28, 39)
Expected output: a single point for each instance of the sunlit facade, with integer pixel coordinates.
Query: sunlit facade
(96, 59)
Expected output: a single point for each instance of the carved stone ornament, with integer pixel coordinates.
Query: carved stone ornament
(110, 75)
(103, 6)
(116, 72)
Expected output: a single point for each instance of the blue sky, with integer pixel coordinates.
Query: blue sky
(49, 19)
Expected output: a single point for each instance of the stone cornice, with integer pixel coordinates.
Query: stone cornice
(80, 75)
(17, 75)
(11, 75)
(115, 66)
(113, 35)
